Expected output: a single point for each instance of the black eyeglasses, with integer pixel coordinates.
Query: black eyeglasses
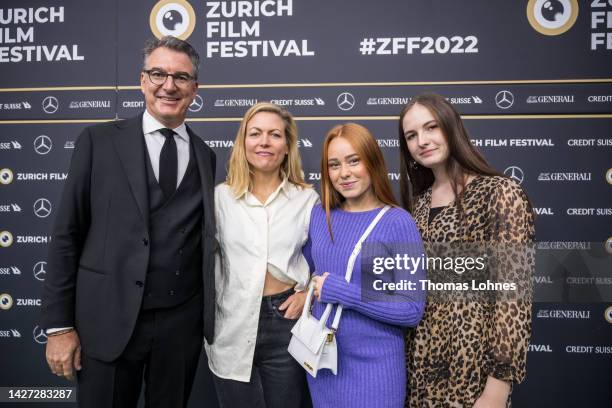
(159, 77)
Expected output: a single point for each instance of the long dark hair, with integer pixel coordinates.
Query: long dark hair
(464, 159)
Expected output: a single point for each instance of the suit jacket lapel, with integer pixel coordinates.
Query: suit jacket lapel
(204, 168)
(130, 145)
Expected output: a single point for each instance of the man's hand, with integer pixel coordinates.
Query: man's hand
(294, 305)
(64, 354)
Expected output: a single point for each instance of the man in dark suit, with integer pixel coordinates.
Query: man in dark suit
(129, 292)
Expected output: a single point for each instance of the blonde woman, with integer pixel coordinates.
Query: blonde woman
(263, 212)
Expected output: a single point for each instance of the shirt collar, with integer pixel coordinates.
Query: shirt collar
(150, 125)
(284, 187)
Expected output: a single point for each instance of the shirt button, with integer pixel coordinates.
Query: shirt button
(171, 293)
(181, 251)
(139, 284)
(177, 273)
(145, 241)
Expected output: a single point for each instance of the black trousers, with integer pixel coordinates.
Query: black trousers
(277, 380)
(164, 351)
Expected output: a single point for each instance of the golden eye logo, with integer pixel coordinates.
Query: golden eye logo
(172, 17)
(552, 17)
(608, 314)
(6, 239)
(608, 245)
(609, 176)
(6, 301)
(6, 176)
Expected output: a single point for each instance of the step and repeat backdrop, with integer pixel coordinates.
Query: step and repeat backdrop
(533, 80)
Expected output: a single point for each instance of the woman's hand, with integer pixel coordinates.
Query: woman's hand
(487, 401)
(495, 394)
(318, 284)
(293, 305)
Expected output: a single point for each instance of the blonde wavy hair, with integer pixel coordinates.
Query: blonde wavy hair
(239, 172)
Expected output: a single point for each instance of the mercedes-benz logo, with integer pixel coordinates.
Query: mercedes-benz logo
(515, 173)
(345, 101)
(197, 104)
(50, 104)
(504, 99)
(39, 335)
(40, 270)
(42, 208)
(43, 144)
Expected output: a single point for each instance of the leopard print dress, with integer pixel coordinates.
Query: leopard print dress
(458, 344)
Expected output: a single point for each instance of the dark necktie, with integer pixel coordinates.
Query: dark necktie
(168, 163)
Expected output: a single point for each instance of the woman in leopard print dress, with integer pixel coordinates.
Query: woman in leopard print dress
(467, 351)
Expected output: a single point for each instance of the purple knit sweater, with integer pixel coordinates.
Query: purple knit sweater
(370, 338)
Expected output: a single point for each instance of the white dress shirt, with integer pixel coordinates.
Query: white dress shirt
(254, 238)
(155, 140)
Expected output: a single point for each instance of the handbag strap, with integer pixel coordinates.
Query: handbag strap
(351, 262)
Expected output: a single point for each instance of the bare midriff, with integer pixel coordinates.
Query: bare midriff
(272, 286)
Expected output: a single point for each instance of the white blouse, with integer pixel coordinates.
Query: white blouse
(254, 238)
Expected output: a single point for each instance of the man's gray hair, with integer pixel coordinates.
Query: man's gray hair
(174, 44)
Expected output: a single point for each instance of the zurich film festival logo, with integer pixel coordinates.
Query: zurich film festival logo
(6, 301)
(608, 314)
(6, 176)
(172, 17)
(6, 239)
(552, 17)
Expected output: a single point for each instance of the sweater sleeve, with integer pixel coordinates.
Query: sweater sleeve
(402, 307)
(307, 252)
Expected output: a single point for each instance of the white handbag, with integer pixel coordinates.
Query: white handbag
(313, 344)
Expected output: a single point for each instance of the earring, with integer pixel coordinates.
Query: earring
(414, 165)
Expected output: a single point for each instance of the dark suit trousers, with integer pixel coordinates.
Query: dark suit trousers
(164, 351)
